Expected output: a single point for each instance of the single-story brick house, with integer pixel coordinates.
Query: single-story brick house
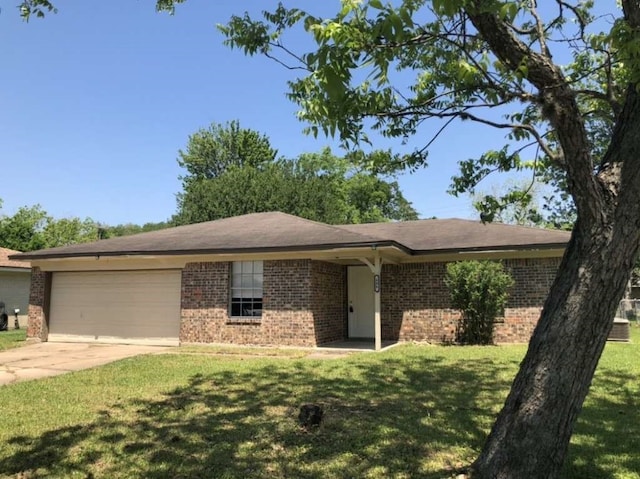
(15, 277)
(276, 279)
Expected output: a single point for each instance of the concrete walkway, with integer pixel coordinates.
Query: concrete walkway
(42, 360)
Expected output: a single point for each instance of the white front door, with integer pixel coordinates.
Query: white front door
(361, 302)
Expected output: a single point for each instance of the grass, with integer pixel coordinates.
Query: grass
(14, 338)
(243, 351)
(410, 412)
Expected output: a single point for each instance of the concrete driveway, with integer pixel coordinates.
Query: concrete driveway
(42, 360)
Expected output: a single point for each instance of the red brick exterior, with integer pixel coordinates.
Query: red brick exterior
(329, 301)
(533, 280)
(416, 304)
(38, 327)
(205, 302)
(303, 305)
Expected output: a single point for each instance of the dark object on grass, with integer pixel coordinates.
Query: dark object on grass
(310, 415)
(4, 322)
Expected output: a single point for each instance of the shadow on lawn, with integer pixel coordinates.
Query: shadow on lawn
(606, 439)
(383, 418)
(379, 421)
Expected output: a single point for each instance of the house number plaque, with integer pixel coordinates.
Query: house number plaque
(376, 283)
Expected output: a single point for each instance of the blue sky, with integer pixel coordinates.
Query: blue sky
(96, 101)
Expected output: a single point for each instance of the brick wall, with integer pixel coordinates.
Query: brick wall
(205, 302)
(533, 278)
(286, 315)
(303, 305)
(329, 301)
(37, 326)
(416, 304)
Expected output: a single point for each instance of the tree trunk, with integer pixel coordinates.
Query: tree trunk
(532, 432)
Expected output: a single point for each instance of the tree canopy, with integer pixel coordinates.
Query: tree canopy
(212, 151)
(561, 80)
(31, 228)
(443, 69)
(234, 171)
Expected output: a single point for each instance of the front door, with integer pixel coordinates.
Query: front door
(361, 302)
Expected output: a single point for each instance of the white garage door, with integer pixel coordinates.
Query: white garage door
(116, 306)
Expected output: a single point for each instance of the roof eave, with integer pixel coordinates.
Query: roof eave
(219, 251)
(16, 269)
(489, 249)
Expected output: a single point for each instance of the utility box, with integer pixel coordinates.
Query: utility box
(620, 330)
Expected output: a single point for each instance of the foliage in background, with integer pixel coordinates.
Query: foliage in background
(126, 229)
(32, 228)
(530, 204)
(212, 151)
(232, 171)
(479, 289)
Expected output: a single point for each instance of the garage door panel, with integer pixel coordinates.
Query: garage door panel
(131, 305)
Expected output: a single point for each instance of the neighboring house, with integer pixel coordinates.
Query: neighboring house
(15, 277)
(276, 279)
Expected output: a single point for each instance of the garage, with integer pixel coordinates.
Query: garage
(136, 307)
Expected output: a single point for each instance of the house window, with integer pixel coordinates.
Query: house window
(246, 289)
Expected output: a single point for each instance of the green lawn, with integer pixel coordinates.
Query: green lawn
(13, 338)
(411, 412)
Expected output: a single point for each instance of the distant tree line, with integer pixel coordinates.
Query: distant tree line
(32, 228)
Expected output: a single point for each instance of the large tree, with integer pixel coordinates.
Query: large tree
(213, 150)
(233, 171)
(500, 64)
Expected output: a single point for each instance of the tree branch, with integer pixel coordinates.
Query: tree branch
(544, 49)
(576, 12)
(288, 52)
(558, 104)
(606, 97)
(516, 126)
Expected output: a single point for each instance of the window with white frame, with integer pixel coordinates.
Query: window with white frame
(246, 289)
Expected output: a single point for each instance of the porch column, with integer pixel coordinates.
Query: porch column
(376, 290)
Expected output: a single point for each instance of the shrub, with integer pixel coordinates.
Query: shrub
(480, 290)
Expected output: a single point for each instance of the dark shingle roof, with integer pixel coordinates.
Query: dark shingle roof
(253, 232)
(455, 235)
(264, 232)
